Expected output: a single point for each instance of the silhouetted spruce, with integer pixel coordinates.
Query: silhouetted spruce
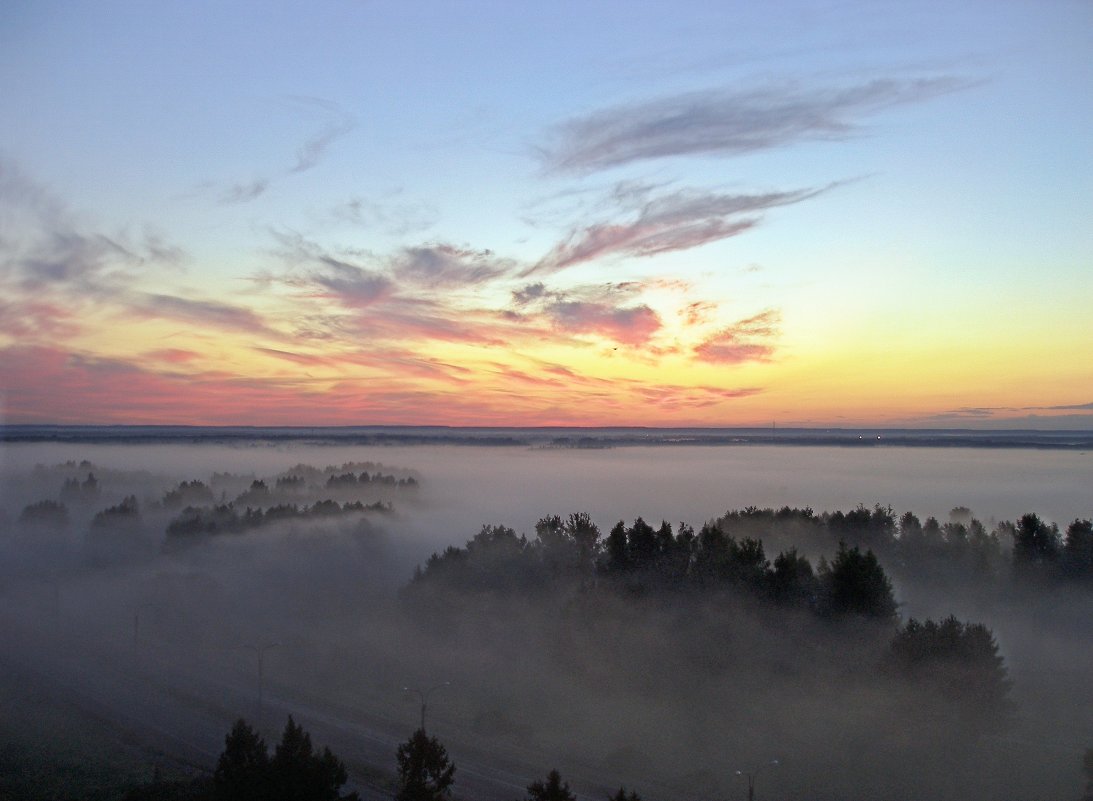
(855, 583)
(424, 770)
(958, 661)
(553, 789)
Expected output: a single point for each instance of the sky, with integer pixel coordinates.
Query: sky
(575, 213)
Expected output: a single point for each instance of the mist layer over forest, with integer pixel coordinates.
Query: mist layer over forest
(144, 585)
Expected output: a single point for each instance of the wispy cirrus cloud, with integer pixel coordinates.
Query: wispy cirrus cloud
(198, 312)
(747, 340)
(674, 221)
(350, 285)
(244, 192)
(338, 123)
(391, 215)
(727, 122)
(446, 266)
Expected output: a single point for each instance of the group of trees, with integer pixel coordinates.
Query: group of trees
(75, 490)
(958, 661)
(641, 558)
(297, 771)
(353, 480)
(226, 519)
(729, 551)
(124, 514)
(1039, 550)
(245, 771)
(426, 774)
(49, 513)
(949, 661)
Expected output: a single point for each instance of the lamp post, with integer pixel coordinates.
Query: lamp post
(424, 698)
(751, 778)
(261, 651)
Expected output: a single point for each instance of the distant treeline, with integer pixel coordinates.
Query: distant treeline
(723, 569)
(226, 519)
(729, 551)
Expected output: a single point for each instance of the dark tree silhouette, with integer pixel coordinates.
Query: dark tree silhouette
(958, 660)
(622, 795)
(245, 771)
(855, 583)
(1035, 543)
(553, 789)
(617, 550)
(1078, 551)
(792, 580)
(242, 772)
(425, 773)
(298, 774)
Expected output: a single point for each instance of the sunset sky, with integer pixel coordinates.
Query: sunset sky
(587, 213)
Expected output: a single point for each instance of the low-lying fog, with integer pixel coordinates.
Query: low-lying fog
(160, 636)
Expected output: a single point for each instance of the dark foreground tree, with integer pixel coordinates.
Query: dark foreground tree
(554, 789)
(1035, 543)
(245, 771)
(855, 583)
(622, 795)
(242, 772)
(424, 771)
(958, 661)
(297, 773)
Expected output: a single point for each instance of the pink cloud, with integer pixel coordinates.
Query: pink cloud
(631, 325)
(171, 355)
(744, 341)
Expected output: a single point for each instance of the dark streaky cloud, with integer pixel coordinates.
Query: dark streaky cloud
(676, 221)
(728, 123)
(201, 312)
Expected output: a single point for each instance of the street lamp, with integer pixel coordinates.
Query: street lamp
(261, 651)
(424, 698)
(751, 778)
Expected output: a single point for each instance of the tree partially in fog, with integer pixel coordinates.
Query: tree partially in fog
(245, 772)
(553, 789)
(1078, 550)
(855, 583)
(297, 773)
(49, 513)
(792, 581)
(1035, 543)
(242, 772)
(424, 771)
(568, 547)
(959, 661)
(622, 795)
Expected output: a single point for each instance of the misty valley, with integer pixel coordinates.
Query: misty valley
(670, 620)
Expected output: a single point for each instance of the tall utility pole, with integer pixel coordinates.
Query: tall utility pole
(424, 698)
(261, 651)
